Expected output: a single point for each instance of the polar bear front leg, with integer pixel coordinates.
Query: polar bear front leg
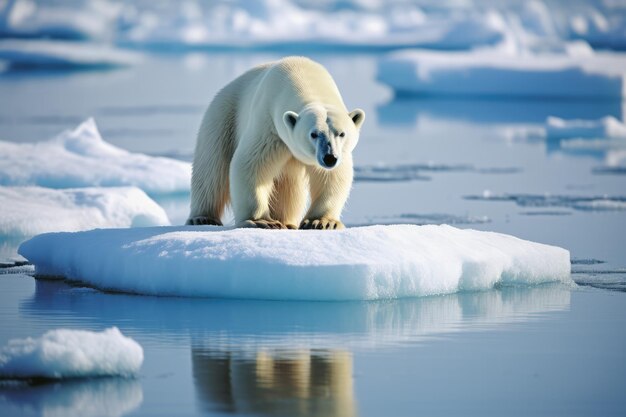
(329, 192)
(252, 172)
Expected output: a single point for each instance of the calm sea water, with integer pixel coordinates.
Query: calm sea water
(544, 350)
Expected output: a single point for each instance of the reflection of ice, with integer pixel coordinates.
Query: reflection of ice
(246, 327)
(104, 397)
(409, 110)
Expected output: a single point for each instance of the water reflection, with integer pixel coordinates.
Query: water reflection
(102, 397)
(274, 382)
(250, 326)
(408, 110)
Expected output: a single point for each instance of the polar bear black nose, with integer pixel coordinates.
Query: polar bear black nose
(330, 160)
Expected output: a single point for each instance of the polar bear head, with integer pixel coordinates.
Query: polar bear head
(320, 135)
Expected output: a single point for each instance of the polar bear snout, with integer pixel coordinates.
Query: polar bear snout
(326, 156)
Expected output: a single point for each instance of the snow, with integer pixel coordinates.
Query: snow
(501, 73)
(81, 158)
(362, 263)
(605, 128)
(27, 211)
(62, 54)
(65, 353)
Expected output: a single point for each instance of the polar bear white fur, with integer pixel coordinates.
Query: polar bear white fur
(274, 136)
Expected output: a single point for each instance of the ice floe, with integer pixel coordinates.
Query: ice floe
(605, 128)
(365, 263)
(27, 211)
(81, 158)
(65, 353)
(24, 54)
(496, 73)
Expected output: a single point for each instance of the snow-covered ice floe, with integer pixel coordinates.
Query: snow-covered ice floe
(27, 211)
(65, 353)
(81, 158)
(495, 73)
(59, 54)
(363, 263)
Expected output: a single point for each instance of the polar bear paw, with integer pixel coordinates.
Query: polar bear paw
(323, 223)
(203, 220)
(262, 224)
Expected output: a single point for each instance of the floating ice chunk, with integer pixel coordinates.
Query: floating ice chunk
(605, 128)
(586, 203)
(81, 158)
(492, 73)
(60, 54)
(27, 211)
(65, 353)
(363, 263)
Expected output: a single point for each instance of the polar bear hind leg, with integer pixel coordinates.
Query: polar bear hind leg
(214, 151)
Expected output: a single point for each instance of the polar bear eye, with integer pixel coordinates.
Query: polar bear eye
(314, 135)
(342, 134)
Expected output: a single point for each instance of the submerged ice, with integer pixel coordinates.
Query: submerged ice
(363, 263)
(65, 353)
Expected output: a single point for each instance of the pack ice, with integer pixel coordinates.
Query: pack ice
(494, 73)
(81, 158)
(65, 353)
(27, 211)
(363, 263)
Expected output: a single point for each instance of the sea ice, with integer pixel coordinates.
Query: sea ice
(363, 263)
(53, 54)
(27, 211)
(496, 73)
(606, 128)
(81, 158)
(65, 353)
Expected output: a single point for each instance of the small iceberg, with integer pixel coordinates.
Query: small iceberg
(30, 54)
(27, 211)
(495, 73)
(361, 263)
(81, 158)
(65, 353)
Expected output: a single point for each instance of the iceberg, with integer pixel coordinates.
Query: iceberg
(27, 211)
(362, 263)
(81, 158)
(66, 353)
(496, 73)
(63, 54)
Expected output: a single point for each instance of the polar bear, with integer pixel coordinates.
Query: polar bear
(273, 137)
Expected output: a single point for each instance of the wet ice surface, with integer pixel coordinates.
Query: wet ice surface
(492, 352)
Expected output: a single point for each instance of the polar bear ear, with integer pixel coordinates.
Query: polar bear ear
(290, 118)
(357, 116)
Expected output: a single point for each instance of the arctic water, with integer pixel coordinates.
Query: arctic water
(470, 162)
